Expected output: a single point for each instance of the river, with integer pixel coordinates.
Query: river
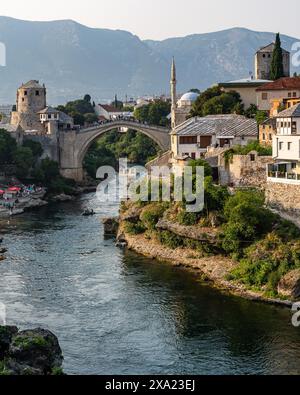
(115, 312)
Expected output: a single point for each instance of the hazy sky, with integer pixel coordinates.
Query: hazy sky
(159, 19)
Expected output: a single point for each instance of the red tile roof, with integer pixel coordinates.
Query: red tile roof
(285, 83)
(109, 108)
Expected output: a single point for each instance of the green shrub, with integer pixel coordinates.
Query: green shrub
(134, 228)
(152, 214)
(170, 239)
(188, 219)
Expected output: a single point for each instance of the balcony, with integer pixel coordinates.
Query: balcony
(283, 173)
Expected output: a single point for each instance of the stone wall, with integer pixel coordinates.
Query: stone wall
(284, 197)
(244, 170)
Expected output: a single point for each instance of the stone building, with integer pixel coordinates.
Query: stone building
(263, 61)
(199, 135)
(267, 130)
(246, 88)
(283, 89)
(33, 115)
(31, 98)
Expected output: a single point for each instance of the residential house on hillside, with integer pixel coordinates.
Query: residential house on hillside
(107, 112)
(246, 88)
(284, 88)
(286, 147)
(195, 137)
(263, 62)
(267, 130)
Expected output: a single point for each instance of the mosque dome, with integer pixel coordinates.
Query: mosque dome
(188, 99)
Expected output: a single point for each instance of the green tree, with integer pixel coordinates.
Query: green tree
(79, 119)
(35, 147)
(155, 113)
(90, 117)
(215, 101)
(24, 160)
(87, 98)
(7, 147)
(277, 60)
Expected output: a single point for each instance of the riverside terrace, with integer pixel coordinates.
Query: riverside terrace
(14, 197)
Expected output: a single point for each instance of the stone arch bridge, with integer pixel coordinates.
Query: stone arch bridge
(73, 145)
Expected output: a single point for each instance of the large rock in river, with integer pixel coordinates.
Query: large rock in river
(31, 352)
(289, 285)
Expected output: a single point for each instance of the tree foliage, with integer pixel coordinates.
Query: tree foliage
(155, 113)
(215, 101)
(277, 70)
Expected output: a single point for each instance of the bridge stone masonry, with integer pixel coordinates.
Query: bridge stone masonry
(74, 144)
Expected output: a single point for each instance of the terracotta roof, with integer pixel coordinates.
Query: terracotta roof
(290, 112)
(109, 108)
(286, 83)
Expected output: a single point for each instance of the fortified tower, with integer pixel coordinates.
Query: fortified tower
(31, 98)
(263, 61)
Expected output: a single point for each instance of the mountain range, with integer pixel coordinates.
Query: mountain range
(72, 59)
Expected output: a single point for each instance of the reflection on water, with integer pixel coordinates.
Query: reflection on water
(119, 313)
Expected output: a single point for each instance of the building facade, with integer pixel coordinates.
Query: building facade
(31, 98)
(263, 61)
(280, 90)
(267, 130)
(246, 88)
(198, 135)
(286, 147)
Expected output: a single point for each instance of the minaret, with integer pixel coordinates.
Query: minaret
(173, 94)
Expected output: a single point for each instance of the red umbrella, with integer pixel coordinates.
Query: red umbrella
(1, 192)
(14, 189)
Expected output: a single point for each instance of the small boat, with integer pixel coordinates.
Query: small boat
(88, 213)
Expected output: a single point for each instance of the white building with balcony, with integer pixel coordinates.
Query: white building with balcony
(286, 147)
(197, 136)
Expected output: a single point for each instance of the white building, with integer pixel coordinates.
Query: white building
(196, 136)
(286, 147)
(107, 112)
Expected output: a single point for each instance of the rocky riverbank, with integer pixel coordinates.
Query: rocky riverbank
(213, 269)
(32, 352)
(211, 265)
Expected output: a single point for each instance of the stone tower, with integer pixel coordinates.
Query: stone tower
(263, 61)
(31, 98)
(173, 94)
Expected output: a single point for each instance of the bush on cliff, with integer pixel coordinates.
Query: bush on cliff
(152, 214)
(267, 261)
(247, 221)
(134, 228)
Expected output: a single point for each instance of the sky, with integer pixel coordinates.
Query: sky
(160, 19)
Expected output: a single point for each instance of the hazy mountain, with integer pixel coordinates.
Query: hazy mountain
(72, 59)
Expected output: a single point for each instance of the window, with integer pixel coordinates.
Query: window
(294, 165)
(205, 141)
(289, 124)
(252, 158)
(290, 94)
(294, 127)
(37, 93)
(280, 145)
(270, 136)
(25, 93)
(294, 94)
(193, 155)
(264, 137)
(289, 146)
(264, 55)
(264, 96)
(188, 140)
